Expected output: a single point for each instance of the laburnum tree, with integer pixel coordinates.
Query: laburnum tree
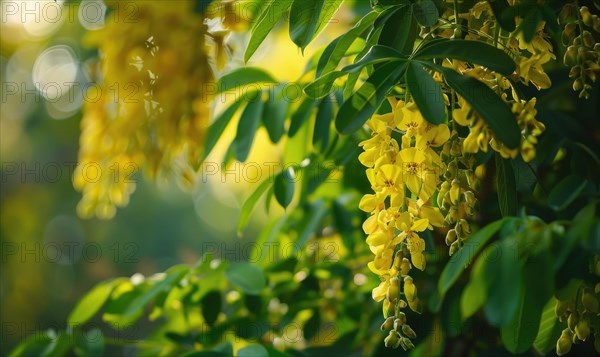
(464, 138)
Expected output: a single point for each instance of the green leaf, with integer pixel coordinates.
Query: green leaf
(425, 12)
(364, 102)
(549, 330)
(89, 305)
(300, 115)
(247, 277)
(242, 77)
(470, 51)
(250, 203)
(173, 276)
(566, 191)
(376, 54)
(504, 277)
(284, 187)
(399, 29)
(211, 307)
(218, 126)
(323, 123)
(519, 335)
(89, 343)
(337, 49)
(322, 85)
(315, 213)
(475, 293)
(506, 186)
(308, 17)
(504, 14)
(426, 93)
(460, 260)
(253, 350)
(487, 103)
(275, 112)
(269, 17)
(246, 130)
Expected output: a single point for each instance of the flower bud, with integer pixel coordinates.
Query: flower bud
(573, 320)
(398, 260)
(450, 237)
(388, 323)
(408, 332)
(401, 320)
(405, 267)
(582, 330)
(564, 343)
(393, 289)
(410, 290)
(590, 302)
(577, 85)
(588, 39)
(406, 344)
(392, 340)
(575, 71)
(453, 248)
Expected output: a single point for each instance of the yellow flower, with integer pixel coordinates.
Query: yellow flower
(412, 158)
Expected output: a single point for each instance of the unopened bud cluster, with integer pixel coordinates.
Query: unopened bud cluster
(580, 30)
(581, 314)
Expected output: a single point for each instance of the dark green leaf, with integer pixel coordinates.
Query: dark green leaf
(310, 223)
(275, 112)
(250, 203)
(426, 93)
(425, 12)
(246, 130)
(487, 103)
(284, 186)
(300, 115)
(308, 17)
(363, 103)
(506, 186)
(460, 260)
(504, 277)
(504, 14)
(89, 305)
(253, 350)
(89, 343)
(271, 14)
(211, 307)
(337, 49)
(470, 51)
(376, 54)
(399, 29)
(566, 191)
(323, 123)
(247, 277)
(322, 85)
(218, 126)
(244, 76)
(171, 279)
(311, 326)
(519, 335)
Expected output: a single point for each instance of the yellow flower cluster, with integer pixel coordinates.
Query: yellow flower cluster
(404, 176)
(581, 313)
(152, 109)
(481, 137)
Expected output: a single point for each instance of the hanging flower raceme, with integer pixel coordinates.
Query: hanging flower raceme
(403, 178)
(152, 108)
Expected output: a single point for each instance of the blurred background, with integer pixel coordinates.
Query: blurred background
(50, 257)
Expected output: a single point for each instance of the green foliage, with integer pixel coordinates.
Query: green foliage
(537, 229)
